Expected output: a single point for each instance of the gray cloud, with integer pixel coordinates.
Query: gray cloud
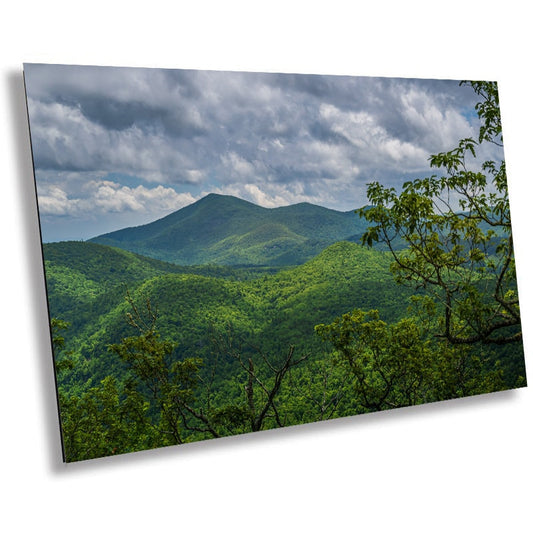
(272, 138)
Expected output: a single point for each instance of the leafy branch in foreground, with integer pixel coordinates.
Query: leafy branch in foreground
(261, 392)
(401, 364)
(457, 232)
(170, 383)
(105, 419)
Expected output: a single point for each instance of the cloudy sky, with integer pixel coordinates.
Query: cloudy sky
(116, 147)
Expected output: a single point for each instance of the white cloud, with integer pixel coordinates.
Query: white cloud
(54, 202)
(376, 146)
(237, 167)
(280, 194)
(333, 161)
(438, 127)
(101, 197)
(259, 197)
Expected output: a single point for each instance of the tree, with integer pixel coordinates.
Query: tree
(401, 364)
(62, 359)
(169, 384)
(106, 419)
(450, 238)
(263, 383)
(451, 235)
(318, 391)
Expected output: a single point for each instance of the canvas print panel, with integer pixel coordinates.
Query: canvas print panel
(230, 252)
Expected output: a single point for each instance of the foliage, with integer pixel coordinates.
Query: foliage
(170, 383)
(400, 364)
(457, 228)
(62, 359)
(263, 384)
(457, 250)
(276, 310)
(156, 404)
(103, 420)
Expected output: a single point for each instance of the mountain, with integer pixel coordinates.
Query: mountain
(226, 230)
(85, 280)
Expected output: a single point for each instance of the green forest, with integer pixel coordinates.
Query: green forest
(226, 318)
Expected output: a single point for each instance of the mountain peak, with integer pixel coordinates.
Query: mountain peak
(224, 229)
(213, 196)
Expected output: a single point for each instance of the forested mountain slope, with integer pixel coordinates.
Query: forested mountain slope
(87, 285)
(230, 231)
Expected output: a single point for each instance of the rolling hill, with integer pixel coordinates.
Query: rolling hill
(87, 283)
(226, 230)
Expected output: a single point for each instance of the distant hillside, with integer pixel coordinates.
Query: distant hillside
(85, 279)
(87, 284)
(226, 230)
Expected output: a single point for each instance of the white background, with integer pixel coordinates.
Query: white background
(457, 466)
